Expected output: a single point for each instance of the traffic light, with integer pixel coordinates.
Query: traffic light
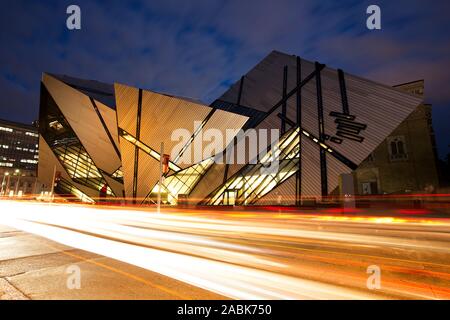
(165, 163)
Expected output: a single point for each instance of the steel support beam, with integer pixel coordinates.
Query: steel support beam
(321, 125)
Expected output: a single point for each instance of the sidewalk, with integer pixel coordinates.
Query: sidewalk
(33, 267)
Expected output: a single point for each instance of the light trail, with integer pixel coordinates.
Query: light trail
(256, 255)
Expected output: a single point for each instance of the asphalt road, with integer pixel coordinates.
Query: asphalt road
(180, 254)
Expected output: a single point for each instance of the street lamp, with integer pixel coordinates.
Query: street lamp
(17, 171)
(6, 174)
(8, 184)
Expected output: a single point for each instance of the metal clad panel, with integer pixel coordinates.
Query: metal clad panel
(283, 194)
(46, 165)
(381, 107)
(221, 121)
(335, 168)
(116, 186)
(231, 95)
(100, 91)
(310, 169)
(127, 153)
(162, 115)
(110, 118)
(215, 175)
(210, 181)
(126, 105)
(86, 190)
(269, 123)
(148, 174)
(233, 168)
(309, 108)
(263, 85)
(82, 117)
(263, 88)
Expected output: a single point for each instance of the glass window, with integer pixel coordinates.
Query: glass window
(397, 148)
(251, 183)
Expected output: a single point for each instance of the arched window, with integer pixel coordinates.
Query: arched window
(400, 148)
(393, 148)
(397, 148)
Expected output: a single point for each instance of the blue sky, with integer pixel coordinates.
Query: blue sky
(197, 48)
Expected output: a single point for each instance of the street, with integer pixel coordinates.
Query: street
(136, 253)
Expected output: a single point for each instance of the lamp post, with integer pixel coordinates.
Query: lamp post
(17, 171)
(7, 184)
(6, 174)
(35, 186)
(160, 177)
(53, 184)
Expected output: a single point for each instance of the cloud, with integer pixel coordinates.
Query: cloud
(196, 48)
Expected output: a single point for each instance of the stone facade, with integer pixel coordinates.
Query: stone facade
(406, 160)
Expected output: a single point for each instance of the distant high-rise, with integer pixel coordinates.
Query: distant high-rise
(19, 153)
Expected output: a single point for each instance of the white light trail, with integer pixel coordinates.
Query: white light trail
(210, 253)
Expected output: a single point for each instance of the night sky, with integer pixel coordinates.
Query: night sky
(199, 48)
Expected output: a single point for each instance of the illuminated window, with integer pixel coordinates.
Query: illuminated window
(55, 125)
(65, 187)
(28, 161)
(182, 182)
(32, 134)
(118, 175)
(6, 129)
(229, 197)
(256, 180)
(6, 164)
